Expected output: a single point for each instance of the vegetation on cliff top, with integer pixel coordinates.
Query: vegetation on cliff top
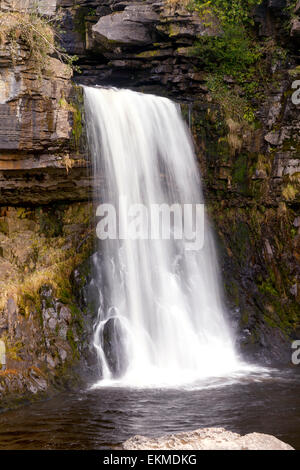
(37, 34)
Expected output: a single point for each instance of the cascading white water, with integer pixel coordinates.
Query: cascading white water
(161, 318)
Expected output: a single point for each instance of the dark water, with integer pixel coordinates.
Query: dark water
(103, 418)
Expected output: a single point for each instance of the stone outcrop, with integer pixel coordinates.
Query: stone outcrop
(207, 439)
(39, 157)
(145, 23)
(252, 192)
(147, 44)
(40, 130)
(254, 202)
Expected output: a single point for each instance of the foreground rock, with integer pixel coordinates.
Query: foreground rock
(42, 152)
(207, 439)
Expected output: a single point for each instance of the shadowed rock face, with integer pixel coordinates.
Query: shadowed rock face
(207, 439)
(114, 347)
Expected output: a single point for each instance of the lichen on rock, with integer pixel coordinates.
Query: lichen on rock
(207, 439)
(40, 322)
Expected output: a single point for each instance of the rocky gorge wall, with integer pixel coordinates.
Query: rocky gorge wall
(250, 175)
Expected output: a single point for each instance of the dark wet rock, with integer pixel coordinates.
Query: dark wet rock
(277, 4)
(114, 338)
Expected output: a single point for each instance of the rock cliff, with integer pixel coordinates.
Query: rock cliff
(207, 439)
(43, 237)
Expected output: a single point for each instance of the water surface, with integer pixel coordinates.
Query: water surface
(103, 418)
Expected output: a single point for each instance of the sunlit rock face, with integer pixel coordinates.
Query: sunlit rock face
(43, 318)
(207, 439)
(40, 163)
(132, 27)
(253, 195)
(45, 7)
(137, 44)
(32, 119)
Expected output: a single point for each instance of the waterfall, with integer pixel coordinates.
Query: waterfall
(161, 318)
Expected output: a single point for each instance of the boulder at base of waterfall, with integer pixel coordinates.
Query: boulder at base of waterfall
(207, 439)
(114, 346)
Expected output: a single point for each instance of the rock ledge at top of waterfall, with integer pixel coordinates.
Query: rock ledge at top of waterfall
(207, 439)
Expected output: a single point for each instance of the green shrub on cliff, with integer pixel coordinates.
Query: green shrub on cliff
(233, 51)
(231, 58)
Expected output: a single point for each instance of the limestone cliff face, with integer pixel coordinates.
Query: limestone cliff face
(44, 323)
(39, 161)
(147, 44)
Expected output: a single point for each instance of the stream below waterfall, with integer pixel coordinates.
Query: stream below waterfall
(102, 418)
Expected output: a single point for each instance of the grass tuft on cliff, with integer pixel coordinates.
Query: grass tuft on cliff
(38, 36)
